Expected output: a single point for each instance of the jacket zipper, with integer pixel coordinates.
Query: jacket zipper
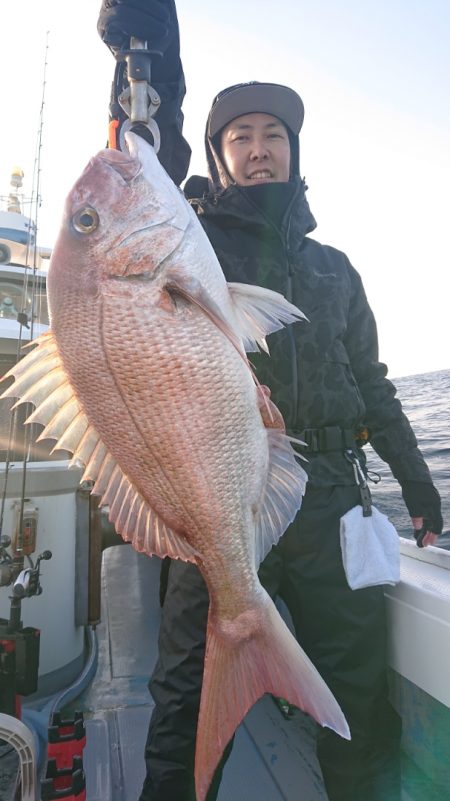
(290, 329)
(289, 273)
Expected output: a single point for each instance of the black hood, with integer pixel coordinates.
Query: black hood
(219, 195)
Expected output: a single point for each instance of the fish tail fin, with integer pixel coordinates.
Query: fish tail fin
(239, 669)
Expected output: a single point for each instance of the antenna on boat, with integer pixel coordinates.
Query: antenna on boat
(36, 199)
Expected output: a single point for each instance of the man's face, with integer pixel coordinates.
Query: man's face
(255, 149)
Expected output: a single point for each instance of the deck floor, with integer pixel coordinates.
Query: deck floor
(273, 758)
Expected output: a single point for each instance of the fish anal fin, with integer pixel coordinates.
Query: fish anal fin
(284, 490)
(240, 668)
(260, 311)
(146, 531)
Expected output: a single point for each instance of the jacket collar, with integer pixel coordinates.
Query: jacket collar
(233, 208)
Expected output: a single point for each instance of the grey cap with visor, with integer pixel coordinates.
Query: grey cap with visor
(247, 98)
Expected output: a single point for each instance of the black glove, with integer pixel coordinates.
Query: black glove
(423, 500)
(154, 21)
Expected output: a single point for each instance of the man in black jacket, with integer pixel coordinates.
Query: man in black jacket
(333, 393)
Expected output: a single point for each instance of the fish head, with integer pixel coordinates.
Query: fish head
(123, 218)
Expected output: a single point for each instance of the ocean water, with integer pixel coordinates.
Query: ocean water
(426, 401)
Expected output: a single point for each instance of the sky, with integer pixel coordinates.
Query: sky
(375, 145)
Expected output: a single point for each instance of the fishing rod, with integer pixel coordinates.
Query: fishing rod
(29, 434)
(19, 646)
(24, 318)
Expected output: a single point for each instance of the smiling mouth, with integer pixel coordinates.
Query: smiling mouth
(260, 174)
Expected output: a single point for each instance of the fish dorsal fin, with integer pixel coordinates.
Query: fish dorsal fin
(259, 312)
(285, 487)
(40, 379)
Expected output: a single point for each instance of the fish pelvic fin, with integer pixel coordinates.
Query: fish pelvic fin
(259, 312)
(40, 379)
(240, 666)
(285, 487)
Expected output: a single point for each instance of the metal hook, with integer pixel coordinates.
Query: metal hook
(152, 127)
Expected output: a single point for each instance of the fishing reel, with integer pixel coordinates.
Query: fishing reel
(19, 644)
(25, 581)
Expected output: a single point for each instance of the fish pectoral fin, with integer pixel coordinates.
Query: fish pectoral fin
(259, 312)
(285, 487)
(194, 292)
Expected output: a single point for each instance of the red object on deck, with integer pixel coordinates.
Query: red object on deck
(65, 784)
(66, 739)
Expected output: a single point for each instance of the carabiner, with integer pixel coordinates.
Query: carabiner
(361, 482)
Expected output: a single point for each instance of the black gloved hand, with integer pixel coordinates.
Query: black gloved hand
(423, 500)
(154, 21)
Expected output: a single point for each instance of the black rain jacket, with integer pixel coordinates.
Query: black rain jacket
(324, 372)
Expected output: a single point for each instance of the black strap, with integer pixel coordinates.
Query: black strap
(329, 438)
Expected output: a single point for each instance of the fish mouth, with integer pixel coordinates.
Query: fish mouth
(128, 167)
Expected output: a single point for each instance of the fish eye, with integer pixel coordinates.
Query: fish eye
(85, 220)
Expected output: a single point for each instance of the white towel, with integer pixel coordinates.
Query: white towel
(370, 549)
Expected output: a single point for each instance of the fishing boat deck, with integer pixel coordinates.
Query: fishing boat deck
(272, 757)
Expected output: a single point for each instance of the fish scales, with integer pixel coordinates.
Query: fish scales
(188, 453)
(187, 394)
(161, 425)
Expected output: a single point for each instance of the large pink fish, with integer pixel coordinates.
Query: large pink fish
(143, 377)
